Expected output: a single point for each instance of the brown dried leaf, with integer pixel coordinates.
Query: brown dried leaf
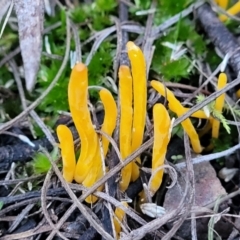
(30, 27)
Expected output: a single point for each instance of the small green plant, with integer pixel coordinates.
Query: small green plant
(172, 59)
(233, 110)
(41, 163)
(222, 143)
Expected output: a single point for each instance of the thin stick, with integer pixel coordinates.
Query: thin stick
(209, 157)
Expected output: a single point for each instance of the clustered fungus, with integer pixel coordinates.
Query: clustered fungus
(88, 168)
(133, 110)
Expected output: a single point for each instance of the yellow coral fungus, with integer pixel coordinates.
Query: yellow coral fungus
(162, 126)
(232, 11)
(93, 176)
(222, 81)
(126, 113)
(138, 69)
(177, 107)
(198, 114)
(77, 97)
(110, 117)
(238, 93)
(67, 151)
(88, 168)
(108, 126)
(222, 3)
(119, 215)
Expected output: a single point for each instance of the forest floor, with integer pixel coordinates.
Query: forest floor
(189, 130)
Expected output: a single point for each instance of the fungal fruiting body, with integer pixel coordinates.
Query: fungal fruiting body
(198, 114)
(118, 218)
(88, 168)
(162, 126)
(238, 93)
(177, 107)
(66, 145)
(93, 175)
(126, 114)
(109, 123)
(77, 97)
(219, 103)
(110, 117)
(222, 3)
(232, 11)
(138, 69)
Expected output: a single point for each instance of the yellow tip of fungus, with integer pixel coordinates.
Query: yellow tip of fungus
(131, 46)
(110, 116)
(79, 67)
